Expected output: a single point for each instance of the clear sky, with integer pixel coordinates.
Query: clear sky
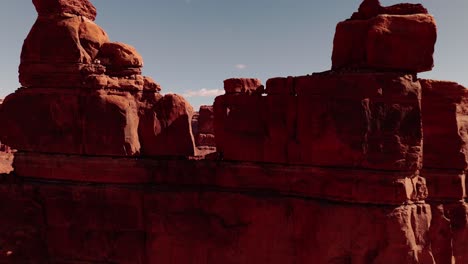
(191, 46)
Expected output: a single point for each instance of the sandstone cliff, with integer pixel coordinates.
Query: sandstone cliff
(364, 163)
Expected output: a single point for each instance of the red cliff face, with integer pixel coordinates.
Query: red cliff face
(86, 95)
(364, 163)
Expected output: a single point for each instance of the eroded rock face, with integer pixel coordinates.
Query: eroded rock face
(110, 122)
(445, 135)
(205, 134)
(165, 126)
(53, 122)
(331, 162)
(396, 38)
(65, 8)
(348, 120)
(127, 225)
(87, 94)
(243, 85)
(445, 107)
(372, 8)
(62, 62)
(120, 59)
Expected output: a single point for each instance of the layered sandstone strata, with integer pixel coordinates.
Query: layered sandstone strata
(152, 223)
(324, 168)
(364, 115)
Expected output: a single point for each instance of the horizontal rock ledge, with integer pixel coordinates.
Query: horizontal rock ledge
(334, 184)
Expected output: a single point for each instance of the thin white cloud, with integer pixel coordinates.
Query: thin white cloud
(241, 66)
(188, 1)
(203, 93)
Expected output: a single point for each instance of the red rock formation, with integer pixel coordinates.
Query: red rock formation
(205, 127)
(372, 8)
(399, 37)
(445, 162)
(445, 125)
(71, 223)
(243, 85)
(364, 114)
(87, 94)
(323, 168)
(120, 59)
(363, 120)
(165, 126)
(65, 8)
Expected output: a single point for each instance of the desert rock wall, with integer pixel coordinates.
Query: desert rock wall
(364, 163)
(199, 212)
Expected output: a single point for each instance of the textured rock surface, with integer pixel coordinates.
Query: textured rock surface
(348, 120)
(86, 95)
(165, 126)
(103, 122)
(120, 59)
(445, 135)
(445, 121)
(206, 119)
(372, 8)
(445, 124)
(386, 42)
(323, 168)
(243, 85)
(360, 186)
(53, 124)
(239, 126)
(204, 134)
(73, 223)
(364, 120)
(110, 124)
(65, 8)
(59, 63)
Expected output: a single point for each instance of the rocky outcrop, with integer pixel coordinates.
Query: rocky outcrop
(205, 127)
(65, 8)
(372, 8)
(399, 37)
(365, 114)
(323, 168)
(445, 124)
(243, 85)
(86, 95)
(73, 223)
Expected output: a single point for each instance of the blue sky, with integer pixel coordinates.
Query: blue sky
(191, 46)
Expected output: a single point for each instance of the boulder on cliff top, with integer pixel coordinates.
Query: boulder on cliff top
(165, 126)
(46, 63)
(70, 7)
(243, 85)
(386, 42)
(372, 8)
(69, 40)
(206, 119)
(120, 59)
